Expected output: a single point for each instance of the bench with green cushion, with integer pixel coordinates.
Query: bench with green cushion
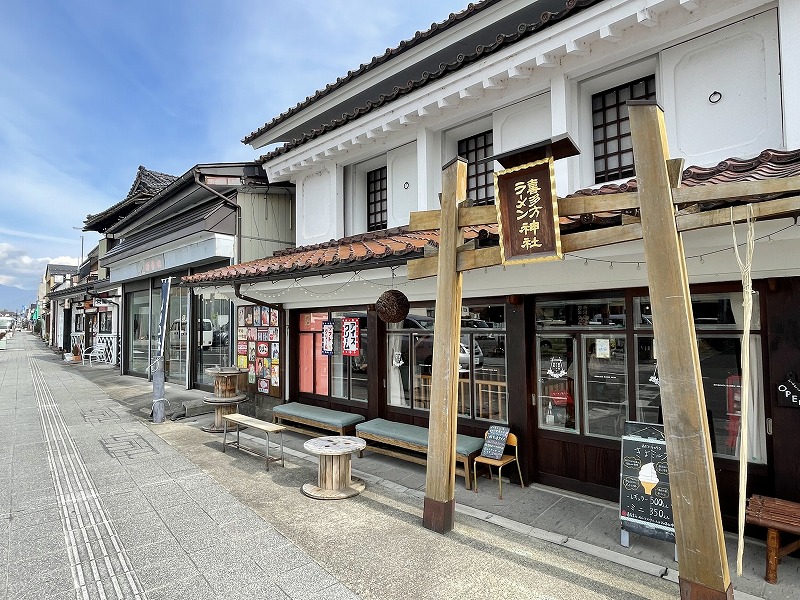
(300, 414)
(401, 440)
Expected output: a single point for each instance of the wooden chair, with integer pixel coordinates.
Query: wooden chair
(499, 463)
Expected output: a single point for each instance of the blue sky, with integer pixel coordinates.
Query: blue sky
(91, 89)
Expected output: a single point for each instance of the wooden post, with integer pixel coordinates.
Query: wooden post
(702, 560)
(439, 507)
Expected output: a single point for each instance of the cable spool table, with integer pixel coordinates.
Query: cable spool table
(335, 479)
(225, 400)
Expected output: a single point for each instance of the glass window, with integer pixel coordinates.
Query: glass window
(137, 340)
(613, 153)
(603, 312)
(337, 375)
(482, 392)
(556, 393)
(377, 199)
(214, 347)
(720, 368)
(711, 311)
(177, 350)
(105, 322)
(480, 181)
(605, 382)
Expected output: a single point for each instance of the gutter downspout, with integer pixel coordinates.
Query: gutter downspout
(237, 225)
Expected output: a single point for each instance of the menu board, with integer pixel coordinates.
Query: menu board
(645, 499)
(495, 442)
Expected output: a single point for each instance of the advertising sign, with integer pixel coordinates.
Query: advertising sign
(527, 213)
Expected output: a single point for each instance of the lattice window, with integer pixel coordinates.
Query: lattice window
(613, 150)
(480, 178)
(377, 195)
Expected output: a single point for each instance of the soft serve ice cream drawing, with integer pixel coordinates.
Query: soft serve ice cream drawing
(648, 477)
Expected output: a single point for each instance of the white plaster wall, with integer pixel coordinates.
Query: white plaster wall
(401, 166)
(789, 16)
(320, 213)
(522, 124)
(740, 63)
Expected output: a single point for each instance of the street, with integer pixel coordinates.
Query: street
(99, 503)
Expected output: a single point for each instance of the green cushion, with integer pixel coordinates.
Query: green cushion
(335, 418)
(414, 434)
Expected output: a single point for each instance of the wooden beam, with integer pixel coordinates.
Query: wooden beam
(581, 205)
(468, 258)
(783, 207)
(477, 215)
(702, 558)
(583, 240)
(737, 189)
(439, 505)
(424, 220)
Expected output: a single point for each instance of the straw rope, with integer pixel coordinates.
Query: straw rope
(744, 397)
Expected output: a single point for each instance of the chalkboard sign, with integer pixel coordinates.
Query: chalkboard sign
(495, 442)
(645, 499)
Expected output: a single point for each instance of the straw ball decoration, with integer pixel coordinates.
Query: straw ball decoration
(392, 306)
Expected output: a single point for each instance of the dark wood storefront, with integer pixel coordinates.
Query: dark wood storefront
(590, 464)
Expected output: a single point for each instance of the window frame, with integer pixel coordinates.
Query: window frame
(597, 83)
(378, 207)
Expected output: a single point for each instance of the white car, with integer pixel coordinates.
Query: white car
(178, 330)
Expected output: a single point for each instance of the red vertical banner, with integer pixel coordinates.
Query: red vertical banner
(351, 337)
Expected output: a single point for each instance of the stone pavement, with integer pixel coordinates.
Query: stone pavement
(105, 503)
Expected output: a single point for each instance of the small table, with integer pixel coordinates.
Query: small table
(335, 478)
(225, 399)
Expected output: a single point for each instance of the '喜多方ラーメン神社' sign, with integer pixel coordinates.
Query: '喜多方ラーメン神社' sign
(527, 213)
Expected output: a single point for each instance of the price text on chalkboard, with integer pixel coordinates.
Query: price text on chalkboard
(495, 442)
(645, 499)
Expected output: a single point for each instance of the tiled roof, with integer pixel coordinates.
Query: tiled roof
(502, 40)
(145, 185)
(362, 251)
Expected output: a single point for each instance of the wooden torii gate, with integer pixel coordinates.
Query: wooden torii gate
(702, 559)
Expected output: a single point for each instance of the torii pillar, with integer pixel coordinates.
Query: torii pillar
(440, 505)
(702, 560)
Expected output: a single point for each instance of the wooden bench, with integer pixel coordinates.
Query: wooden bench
(300, 417)
(776, 515)
(410, 442)
(243, 421)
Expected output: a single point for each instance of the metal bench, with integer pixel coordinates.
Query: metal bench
(302, 417)
(410, 442)
(777, 516)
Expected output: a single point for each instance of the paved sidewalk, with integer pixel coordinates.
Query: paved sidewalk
(101, 497)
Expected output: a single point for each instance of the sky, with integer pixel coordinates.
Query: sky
(91, 89)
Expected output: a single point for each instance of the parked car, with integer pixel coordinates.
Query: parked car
(178, 332)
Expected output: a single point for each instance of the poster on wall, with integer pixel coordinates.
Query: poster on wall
(251, 352)
(240, 316)
(275, 355)
(251, 373)
(273, 318)
(248, 316)
(273, 334)
(265, 312)
(241, 347)
(262, 349)
(262, 335)
(241, 361)
(350, 337)
(276, 381)
(251, 334)
(256, 315)
(263, 386)
(327, 338)
(241, 333)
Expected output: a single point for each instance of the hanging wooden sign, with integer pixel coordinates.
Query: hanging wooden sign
(527, 213)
